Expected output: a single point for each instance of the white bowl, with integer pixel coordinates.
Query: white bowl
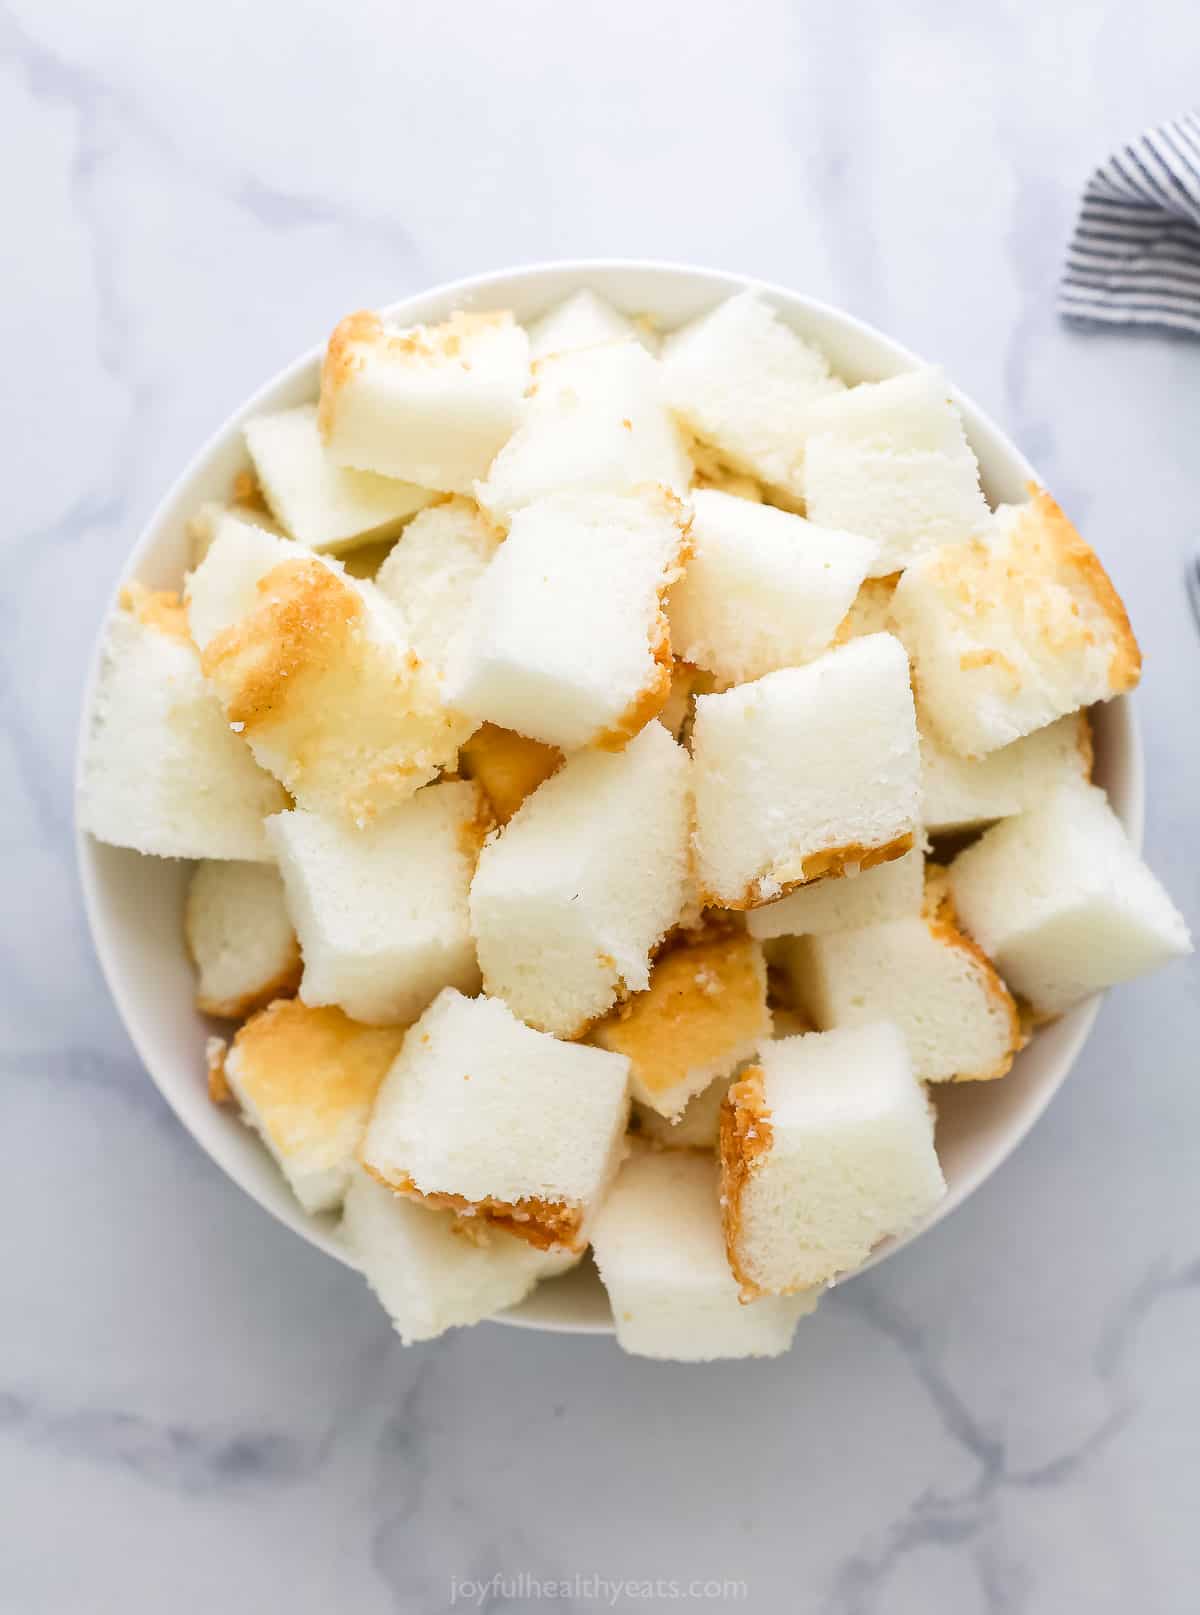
(135, 904)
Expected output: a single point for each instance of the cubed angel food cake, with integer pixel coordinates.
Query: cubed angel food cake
(482, 1115)
(566, 728)
(568, 640)
(806, 773)
(314, 671)
(428, 404)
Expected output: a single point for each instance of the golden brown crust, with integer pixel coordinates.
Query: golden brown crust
(306, 648)
(652, 697)
(648, 702)
(834, 862)
(745, 1139)
(706, 1000)
(285, 984)
(343, 358)
(1077, 556)
(508, 766)
(541, 1223)
(304, 1068)
(940, 916)
(219, 1091)
(305, 616)
(1049, 587)
(364, 332)
(572, 1034)
(990, 657)
(438, 343)
(161, 609)
(829, 864)
(583, 1029)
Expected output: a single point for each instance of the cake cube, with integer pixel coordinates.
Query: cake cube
(883, 893)
(1061, 901)
(585, 880)
(568, 641)
(742, 381)
(382, 912)
(432, 573)
(890, 460)
(913, 410)
(315, 501)
(483, 1115)
(870, 611)
(922, 974)
(695, 1128)
(433, 1270)
(314, 671)
(808, 772)
(963, 793)
(430, 404)
(763, 589)
(240, 937)
(583, 320)
(594, 420)
(1007, 634)
(703, 1014)
(909, 501)
(162, 771)
(305, 1080)
(826, 1149)
(507, 766)
(658, 1246)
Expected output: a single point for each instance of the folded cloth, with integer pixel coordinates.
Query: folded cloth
(1134, 258)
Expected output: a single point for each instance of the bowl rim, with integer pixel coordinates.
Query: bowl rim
(722, 282)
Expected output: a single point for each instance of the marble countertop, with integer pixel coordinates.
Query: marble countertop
(199, 1413)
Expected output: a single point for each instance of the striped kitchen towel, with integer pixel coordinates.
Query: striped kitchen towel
(1134, 258)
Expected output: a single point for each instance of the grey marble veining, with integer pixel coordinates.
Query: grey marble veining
(196, 1411)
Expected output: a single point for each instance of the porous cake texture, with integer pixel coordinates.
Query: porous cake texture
(658, 1246)
(826, 1148)
(809, 772)
(482, 1115)
(1062, 903)
(572, 896)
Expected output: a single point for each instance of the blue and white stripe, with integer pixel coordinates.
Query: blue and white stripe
(1134, 258)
